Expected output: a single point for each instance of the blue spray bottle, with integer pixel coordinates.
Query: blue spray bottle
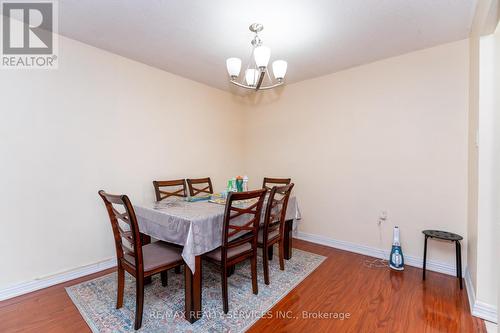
(396, 260)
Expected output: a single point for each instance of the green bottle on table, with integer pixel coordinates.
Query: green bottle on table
(239, 184)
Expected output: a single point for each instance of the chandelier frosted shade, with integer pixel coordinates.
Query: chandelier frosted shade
(279, 69)
(251, 76)
(233, 67)
(261, 55)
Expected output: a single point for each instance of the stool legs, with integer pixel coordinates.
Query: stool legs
(425, 258)
(459, 262)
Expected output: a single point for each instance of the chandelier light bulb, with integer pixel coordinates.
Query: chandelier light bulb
(233, 67)
(261, 55)
(251, 76)
(279, 69)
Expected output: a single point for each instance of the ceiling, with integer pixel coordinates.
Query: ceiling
(193, 38)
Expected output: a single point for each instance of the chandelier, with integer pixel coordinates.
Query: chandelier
(257, 70)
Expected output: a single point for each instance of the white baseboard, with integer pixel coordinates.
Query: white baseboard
(479, 309)
(29, 286)
(377, 253)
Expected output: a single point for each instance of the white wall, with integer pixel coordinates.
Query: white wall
(390, 135)
(482, 268)
(489, 164)
(496, 166)
(98, 122)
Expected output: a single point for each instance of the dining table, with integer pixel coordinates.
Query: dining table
(196, 226)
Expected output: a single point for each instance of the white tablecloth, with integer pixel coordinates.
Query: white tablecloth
(197, 226)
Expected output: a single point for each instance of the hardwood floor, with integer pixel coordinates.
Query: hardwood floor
(377, 300)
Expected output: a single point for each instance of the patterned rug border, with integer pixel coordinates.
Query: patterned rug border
(89, 322)
(94, 329)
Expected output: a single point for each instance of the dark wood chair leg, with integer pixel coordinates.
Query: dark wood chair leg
(270, 252)
(265, 264)
(121, 287)
(177, 270)
(139, 300)
(225, 299)
(459, 262)
(282, 255)
(164, 278)
(255, 288)
(425, 258)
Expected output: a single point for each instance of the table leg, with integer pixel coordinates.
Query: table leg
(192, 291)
(287, 241)
(230, 270)
(145, 239)
(270, 251)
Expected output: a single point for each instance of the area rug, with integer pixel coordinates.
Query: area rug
(164, 306)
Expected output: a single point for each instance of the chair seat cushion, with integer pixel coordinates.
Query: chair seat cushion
(156, 255)
(274, 233)
(232, 252)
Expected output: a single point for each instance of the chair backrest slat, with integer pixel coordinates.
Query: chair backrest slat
(234, 218)
(121, 216)
(268, 182)
(179, 190)
(132, 235)
(241, 211)
(195, 190)
(275, 214)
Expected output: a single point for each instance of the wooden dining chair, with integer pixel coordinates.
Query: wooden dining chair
(138, 260)
(178, 188)
(276, 181)
(273, 230)
(204, 186)
(239, 237)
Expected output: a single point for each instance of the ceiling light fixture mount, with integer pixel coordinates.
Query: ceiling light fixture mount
(257, 68)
